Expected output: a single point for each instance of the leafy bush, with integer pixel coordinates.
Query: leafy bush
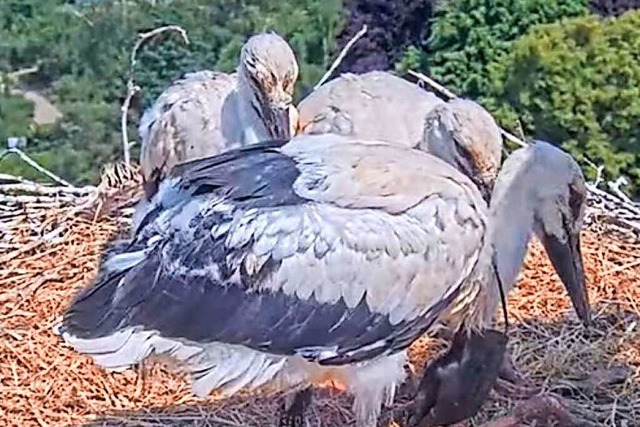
(467, 35)
(577, 83)
(393, 26)
(613, 7)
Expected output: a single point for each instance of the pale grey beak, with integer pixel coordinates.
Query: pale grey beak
(485, 188)
(566, 258)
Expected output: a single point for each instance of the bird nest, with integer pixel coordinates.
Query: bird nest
(51, 240)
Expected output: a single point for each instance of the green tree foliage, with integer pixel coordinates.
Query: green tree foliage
(83, 56)
(577, 83)
(15, 114)
(469, 34)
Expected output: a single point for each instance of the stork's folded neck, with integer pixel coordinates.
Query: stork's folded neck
(250, 111)
(511, 218)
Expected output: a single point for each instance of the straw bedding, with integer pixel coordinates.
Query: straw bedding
(49, 247)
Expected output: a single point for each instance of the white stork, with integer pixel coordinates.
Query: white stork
(283, 265)
(379, 106)
(207, 112)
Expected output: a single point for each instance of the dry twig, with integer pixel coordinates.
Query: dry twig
(446, 92)
(28, 160)
(132, 88)
(341, 56)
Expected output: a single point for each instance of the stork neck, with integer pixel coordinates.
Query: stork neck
(511, 223)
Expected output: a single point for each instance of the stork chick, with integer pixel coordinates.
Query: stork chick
(207, 112)
(379, 106)
(283, 265)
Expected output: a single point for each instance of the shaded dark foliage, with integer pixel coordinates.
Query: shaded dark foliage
(393, 26)
(613, 7)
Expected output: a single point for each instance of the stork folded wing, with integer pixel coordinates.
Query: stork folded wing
(239, 251)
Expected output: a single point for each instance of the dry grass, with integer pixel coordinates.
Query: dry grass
(43, 382)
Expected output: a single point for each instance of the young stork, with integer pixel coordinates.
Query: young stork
(207, 112)
(280, 266)
(379, 106)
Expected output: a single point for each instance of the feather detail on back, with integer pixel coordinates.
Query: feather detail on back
(284, 264)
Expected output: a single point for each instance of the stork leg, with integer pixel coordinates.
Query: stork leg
(292, 412)
(456, 384)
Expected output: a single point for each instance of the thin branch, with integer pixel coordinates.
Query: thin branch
(615, 187)
(44, 190)
(7, 179)
(599, 171)
(132, 88)
(446, 92)
(341, 56)
(35, 165)
(23, 72)
(434, 84)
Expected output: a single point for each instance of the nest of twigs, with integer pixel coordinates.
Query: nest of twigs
(50, 248)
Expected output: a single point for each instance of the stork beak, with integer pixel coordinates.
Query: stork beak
(294, 120)
(567, 261)
(281, 124)
(486, 188)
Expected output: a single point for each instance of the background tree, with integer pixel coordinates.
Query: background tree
(83, 57)
(573, 83)
(576, 83)
(393, 26)
(469, 34)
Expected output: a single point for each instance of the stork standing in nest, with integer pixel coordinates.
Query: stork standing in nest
(207, 112)
(282, 266)
(379, 106)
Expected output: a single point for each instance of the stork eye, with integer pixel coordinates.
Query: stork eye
(287, 84)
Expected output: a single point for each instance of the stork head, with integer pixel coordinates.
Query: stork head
(465, 135)
(269, 67)
(559, 210)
